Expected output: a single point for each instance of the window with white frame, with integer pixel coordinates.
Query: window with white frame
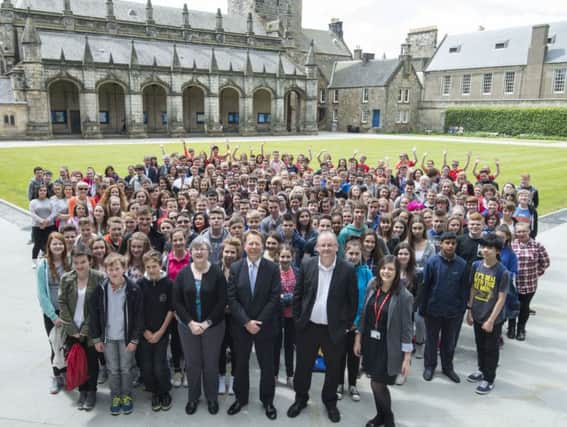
(406, 96)
(336, 96)
(559, 80)
(403, 117)
(446, 86)
(364, 116)
(403, 96)
(466, 84)
(487, 84)
(365, 95)
(322, 96)
(335, 116)
(509, 82)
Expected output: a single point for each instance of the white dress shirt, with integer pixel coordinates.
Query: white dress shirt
(319, 312)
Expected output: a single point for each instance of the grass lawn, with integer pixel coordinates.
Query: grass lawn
(546, 164)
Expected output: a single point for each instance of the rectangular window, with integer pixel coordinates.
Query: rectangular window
(6, 120)
(145, 117)
(501, 45)
(163, 118)
(509, 81)
(200, 118)
(403, 117)
(336, 96)
(103, 117)
(455, 49)
(335, 115)
(264, 118)
(365, 95)
(12, 121)
(322, 96)
(403, 96)
(364, 116)
(233, 118)
(59, 117)
(559, 80)
(487, 84)
(466, 84)
(446, 86)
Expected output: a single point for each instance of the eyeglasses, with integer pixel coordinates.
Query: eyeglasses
(199, 250)
(82, 188)
(183, 221)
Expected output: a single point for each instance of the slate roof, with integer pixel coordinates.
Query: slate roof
(73, 46)
(477, 50)
(353, 74)
(326, 42)
(6, 91)
(136, 12)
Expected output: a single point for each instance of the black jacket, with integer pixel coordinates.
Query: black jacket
(342, 301)
(157, 301)
(133, 313)
(213, 295)
(264, 305)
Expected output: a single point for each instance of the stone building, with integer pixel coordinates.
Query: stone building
(369, 95)
(523, 66)
(92, 68)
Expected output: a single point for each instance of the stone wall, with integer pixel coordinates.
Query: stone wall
(13, 120)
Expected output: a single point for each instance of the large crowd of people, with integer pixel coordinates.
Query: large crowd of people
(168, 275)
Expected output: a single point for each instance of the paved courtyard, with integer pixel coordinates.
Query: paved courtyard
(531, 388)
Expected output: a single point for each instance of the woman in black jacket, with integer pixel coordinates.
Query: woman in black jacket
(199, 299)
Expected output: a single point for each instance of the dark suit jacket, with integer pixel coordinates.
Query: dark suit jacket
(264, 305)
(342, 300)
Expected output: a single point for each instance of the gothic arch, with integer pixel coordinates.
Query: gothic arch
(195, 83)
(158, 82)
(64, 77)
(111, 78)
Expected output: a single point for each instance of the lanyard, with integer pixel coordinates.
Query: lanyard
(378, 310)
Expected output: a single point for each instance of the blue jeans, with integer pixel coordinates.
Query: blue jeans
(119, 363)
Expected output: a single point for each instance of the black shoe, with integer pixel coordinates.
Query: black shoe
(532, 312)
(511, 333)
(156, 403)
(428, 374)
(521, 336)
(295, 409)
(452, 375)
(377, 421)
(82, 400)
(235, 408)
(334, 414)
(191, 407)
(213, 406)
(271, 412)
(165, 401)
(91, 401)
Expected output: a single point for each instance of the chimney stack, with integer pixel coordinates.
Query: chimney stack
(336, 26)
(357, 53)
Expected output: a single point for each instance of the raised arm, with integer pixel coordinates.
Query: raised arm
(423, 166)
(497, 174)
(444, 158)
(468, 161)
(414, 152)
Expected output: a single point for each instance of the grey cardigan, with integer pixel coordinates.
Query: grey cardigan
(400, 327)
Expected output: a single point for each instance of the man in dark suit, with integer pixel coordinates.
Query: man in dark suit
(324, 307)
(254, 296)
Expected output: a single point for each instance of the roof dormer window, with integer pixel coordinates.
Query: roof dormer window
(131, 12)
(501, 45)
(455, 49)
(551, 39)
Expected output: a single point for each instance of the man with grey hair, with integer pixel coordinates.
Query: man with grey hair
(324, 308)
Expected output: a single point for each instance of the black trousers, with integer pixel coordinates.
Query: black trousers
(525, 300)
(286, 333)
(487, 350)
(48, 327)
(92, 364)
(153, 363)
(264, 346)
(308, 342)
(449, 329)
(227, 343)
(39, 237)
(349, 360)
(176, 349)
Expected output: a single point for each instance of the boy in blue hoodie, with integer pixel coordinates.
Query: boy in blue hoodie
(353, 254)
(356, 229)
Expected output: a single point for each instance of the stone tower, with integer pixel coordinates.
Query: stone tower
(422, 45)
(288, 12)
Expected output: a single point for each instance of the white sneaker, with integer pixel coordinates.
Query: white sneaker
(340, 391)
(34, 264)
(222, 384)
(419, 349)
(354, 394)
(401, 379)
(177, 379)
(54, 387)
(230, 386)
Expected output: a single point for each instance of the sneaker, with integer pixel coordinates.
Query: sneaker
(81, 401)
(401, 379)
(419, 348)
(54, 387)
(475, 377)
(138, 380)
(116, 405)
(354, 394)
(34, 264)
(29, 242)
(222, 384)
(156, 402)
(165, 401)
(230, 386)
(102, 375)
(484, 387)
(177, 379)
(127, 404)
(289, 382)
(340, 391)
(184, 382)
(91, 401)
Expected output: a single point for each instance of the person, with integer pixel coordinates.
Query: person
(509, 260)
(216, 234)
(76, 288)
(489, 287)
(157, 305)
(286, 332)
(254, 289)
(533, 260)
(443, 304)
(384, 336)
(43, 221)
(199, 299)
(356, 229)
(325, 302)
(49, 272)
(349, 360)
(115, 325)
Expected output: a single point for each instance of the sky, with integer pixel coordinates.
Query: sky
(379, 28)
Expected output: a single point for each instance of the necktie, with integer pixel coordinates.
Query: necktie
(252, 273)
